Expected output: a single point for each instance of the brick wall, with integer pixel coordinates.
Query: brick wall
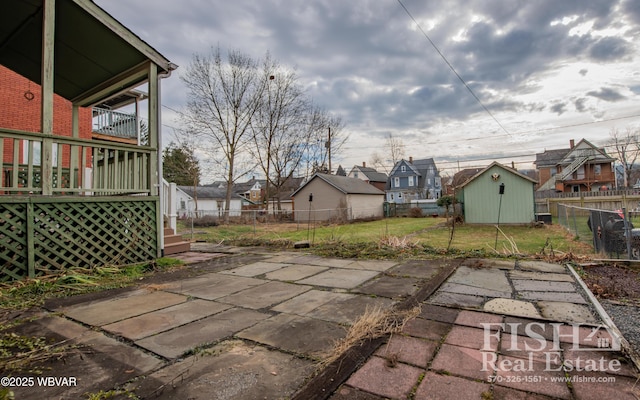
(20, 113)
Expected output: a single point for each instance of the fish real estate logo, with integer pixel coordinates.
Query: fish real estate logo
(545, 343)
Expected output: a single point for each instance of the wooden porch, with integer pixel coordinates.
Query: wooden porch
(67, 199)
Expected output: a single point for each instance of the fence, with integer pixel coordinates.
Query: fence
(611, 233)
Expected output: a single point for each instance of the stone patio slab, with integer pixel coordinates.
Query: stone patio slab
(231, 370)
(391, 287)
(462, 361)
(548, 383)
(321, 261)
(213, 286)
(172, 344)
(472, 338)
(376, 377)
(543, 286)
(479, 320)
(340, 278)
(541, 276)
(103, 312)
(457, 300)
(294, 272)
(306, 302)
(473, 290)
(541, 266)
(162, 320)
(553, 296)
(265, 296)
(566, 312)
(493, 279)
(426, 329)
(370, 265)
(488, 263)
(422, 269)
(302, 335)
(512, 307)
(345, 310)
(449, 387)
(255, 269)
(409, 350)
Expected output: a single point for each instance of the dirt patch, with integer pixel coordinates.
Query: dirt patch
(613, 282)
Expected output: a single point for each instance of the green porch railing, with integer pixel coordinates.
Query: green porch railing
(77, 166)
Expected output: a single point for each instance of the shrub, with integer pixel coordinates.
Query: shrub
(415, 212)
(206, 221)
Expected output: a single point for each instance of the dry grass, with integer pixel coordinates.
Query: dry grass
(374, 323)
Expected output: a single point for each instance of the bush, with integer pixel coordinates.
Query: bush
(415, 212)
(206, 221)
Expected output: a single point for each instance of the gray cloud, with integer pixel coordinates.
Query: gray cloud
(606, 94)
(366, 61)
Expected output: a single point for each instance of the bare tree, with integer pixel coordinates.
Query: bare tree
(327, 140)
(393, 148)
(223, 97)
(627, 149)
(280, 126)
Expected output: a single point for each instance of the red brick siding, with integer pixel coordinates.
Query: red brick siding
(18, 112)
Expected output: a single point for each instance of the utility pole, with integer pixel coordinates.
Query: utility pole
(328, 146)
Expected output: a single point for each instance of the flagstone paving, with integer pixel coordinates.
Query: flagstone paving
(254, 325)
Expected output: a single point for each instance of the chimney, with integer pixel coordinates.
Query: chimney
(364, 164)
(410, 160)
(571, 143)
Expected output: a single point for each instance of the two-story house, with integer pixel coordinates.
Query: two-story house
(413, 180)
(369, 175)
(581, 168)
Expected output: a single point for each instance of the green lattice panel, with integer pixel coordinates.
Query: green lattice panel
(89, 234)
(13, 241)
(74, 233)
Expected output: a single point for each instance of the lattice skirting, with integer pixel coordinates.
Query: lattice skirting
(44, 234)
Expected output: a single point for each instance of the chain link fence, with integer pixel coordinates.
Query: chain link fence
(610, 232)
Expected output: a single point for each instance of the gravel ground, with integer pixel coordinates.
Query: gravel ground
(627, 319)
(618, 290)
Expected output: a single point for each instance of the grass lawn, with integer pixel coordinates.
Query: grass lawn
(431, 232)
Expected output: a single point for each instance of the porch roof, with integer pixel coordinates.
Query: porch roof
(96, 57)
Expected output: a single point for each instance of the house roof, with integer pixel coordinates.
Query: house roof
(551, 158)
(464, 175)
(344, 184)
(208, 192)
(371, 174)
(418, 167)
(493, 164)
(91, 48)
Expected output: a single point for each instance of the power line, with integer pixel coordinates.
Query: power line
(453, 69)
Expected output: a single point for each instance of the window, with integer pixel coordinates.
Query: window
(597, 169)
(355, 174)
(396, 182)
(403, 168)
(410, 181)
(183, 205)
(391, 196)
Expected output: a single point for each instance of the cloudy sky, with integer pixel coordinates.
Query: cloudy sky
(543, 71)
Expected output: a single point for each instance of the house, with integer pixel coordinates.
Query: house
(336, 198)
(79, 200)
(369, 175)
(580, 168)
(208, 200)
(498, 194)
(413, 180)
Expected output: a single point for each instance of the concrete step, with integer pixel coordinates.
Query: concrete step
(172, 238)
(175, 248)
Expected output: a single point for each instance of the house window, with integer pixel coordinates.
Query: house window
(391, 196)
(182, 205)
(400, 195)
(396, 182)
(410, 181)
(355, 174)
(403, 168)
(597, 169)
(553, 170)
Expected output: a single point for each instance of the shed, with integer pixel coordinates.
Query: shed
(483, 202)
(330, 197)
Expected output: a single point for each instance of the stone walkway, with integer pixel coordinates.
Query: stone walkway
(253, 326)
(500, 330)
